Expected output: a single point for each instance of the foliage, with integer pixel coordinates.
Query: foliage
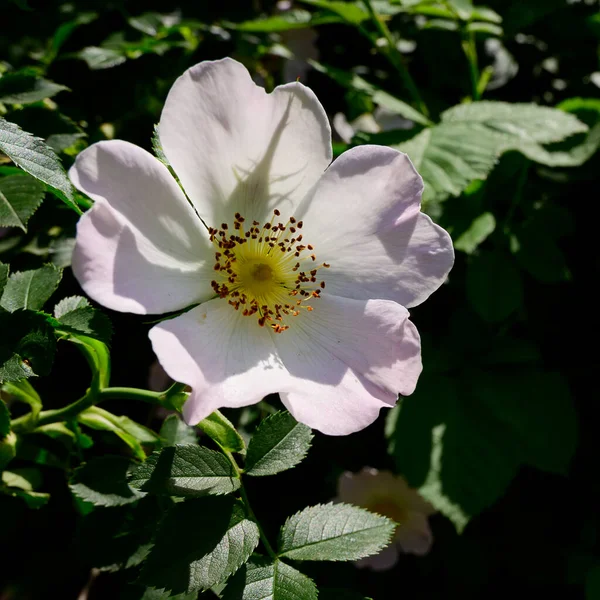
(497, 107)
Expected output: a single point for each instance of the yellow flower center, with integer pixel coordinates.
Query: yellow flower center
(266, 270)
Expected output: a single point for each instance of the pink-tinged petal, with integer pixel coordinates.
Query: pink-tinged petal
(141, 248)
(363, 217)
(227, 359)
(415, 535)
(382, 561)
(349, 358)
(236, 148)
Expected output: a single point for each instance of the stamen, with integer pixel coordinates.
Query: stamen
(258, 281)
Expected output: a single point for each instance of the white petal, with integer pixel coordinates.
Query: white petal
(226, 358)
(236, 148)
(363, 217)
(349, 358)
(141, 248)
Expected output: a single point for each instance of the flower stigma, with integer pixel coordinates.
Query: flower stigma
(266, 270)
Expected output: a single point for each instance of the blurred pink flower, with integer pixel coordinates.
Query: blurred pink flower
(387, 494)
(330, 334)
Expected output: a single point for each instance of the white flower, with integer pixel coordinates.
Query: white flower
(302, 272)
(389, 495)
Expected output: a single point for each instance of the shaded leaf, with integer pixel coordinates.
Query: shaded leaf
(261, 579)
(221, 430)
(101, 58)
(4, 269)
(38, 159)
(185, 470)
(103, 482)
(334, 532)
(23, 87)
(461, 440)
(174, 431)
(182, 561)
(289, 20)
(467, 143)
(119, 537)
(479, 230)
(20, 196)
(30, 289)
(379, 96)
(75, 313)
(278, 444)
(4, 420)
(27, 345)
(98, 419)
(494, 286)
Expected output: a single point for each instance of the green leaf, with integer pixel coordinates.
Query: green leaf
(103, 482)
(22, 483)
(27, 345)
(30, 289)
(154, 594)
(185, 470)
(540, 124)
(479, 230)
(592, 583)
(289, 20)
(494, 286)
(278, 444)
(97, 355)
(8, 447)
(334, 532)
(20, 196)
(3, 277)
(23, 391)
(24, 87)
(220, 429)
(466, 145)
(101, 58)
(261, 579)
(4, 420)
(101, 420)
(450, 156)
(34, 500)
(23, 479)
(199, 543)
(487, 28)
(379, 96)
(76, 314)
(174, 431)
(536, 406)
(38, 159)
(460, 440)
(119, 537)
(352, 13)
(149, 23)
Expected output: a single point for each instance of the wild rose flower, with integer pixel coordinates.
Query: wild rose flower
(389, 495)
(302, 271)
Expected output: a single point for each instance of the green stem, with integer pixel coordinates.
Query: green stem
(92, 397)
(244, 495)
(125, 393)
(394, 57)
(470, 50)
(66, 413)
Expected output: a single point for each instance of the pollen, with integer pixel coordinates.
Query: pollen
(264, 272)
